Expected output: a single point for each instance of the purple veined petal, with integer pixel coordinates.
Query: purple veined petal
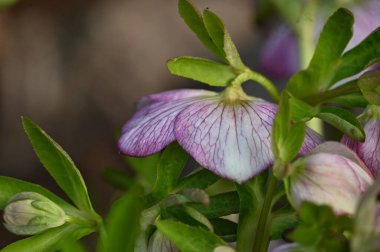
(369, 150)
(231, 140)
(279, 57)
(171, 95)
(151, 128)
(342, 150)
(312, 139)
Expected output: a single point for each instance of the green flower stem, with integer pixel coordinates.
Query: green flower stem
(348, 88)
(262, 237)
(248, 74)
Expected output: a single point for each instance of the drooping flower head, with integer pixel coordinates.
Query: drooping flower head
(228, 133)
(330, 174)
(369, 150)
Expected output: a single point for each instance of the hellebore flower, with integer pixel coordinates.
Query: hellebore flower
(30, 213)
(228, 133)
(330, 174)
(369, 150)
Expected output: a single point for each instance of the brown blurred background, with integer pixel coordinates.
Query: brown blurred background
(76, 67)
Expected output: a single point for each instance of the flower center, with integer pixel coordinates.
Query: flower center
(234, 94)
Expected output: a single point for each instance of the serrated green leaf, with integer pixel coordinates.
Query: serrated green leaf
(359, 57)
(196, 239)
(200, 178)
(59, 165)
(50, 240)
(220, 205)
(194, 20)
(369, 84)
(334, 38)
(124, 215)
(342, 120)
(172, 161)
(11, 186)
(203, 70)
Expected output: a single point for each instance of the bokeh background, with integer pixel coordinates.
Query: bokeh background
(76, 67)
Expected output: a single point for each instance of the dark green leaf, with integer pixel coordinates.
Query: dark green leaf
(342, 120)
(50, 240)
(201, 178)
(124, 215)
(170, 166)
(333, 40)
(11, 186)
(196, 239)
(146, 169)
(220, 205)
(359, 57)
(117, 178)
(58, 163)
(225, 229)
(282, 220)
(369, 84)
(350, 101)
(203, 70)
(194, 20)
(187, 215)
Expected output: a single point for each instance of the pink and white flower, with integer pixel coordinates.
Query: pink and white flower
(228, 133)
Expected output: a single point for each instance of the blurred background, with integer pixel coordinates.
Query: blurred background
(76, 67)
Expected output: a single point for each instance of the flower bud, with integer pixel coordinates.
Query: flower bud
(29, 213)
(328, 178)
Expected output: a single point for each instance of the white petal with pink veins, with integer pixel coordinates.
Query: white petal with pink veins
(151, 128)
(231, 140)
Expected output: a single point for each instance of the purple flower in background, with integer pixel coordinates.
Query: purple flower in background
(330, 174)
(369, 150)
(228, 133)
(280, 58)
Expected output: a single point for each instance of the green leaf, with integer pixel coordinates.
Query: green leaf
(117, 178)
(187, 215)
(302, 111)
(194, 20)
(288, 137)
(58, 163)
(366, 233)
(124, 215)
(146, 169)
(73, 246)
(343, 121)
(225, 229)
(220, 205)
(172, 161)
(203, 70)
(350, 101)
(282, 220)
(188, 238)
(369, 84)
(50, 240)
(215, 29)
(333, 40)
(11, 186)
(200, 178)
(359, 57)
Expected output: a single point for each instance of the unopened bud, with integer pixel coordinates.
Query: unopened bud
(29, 213)
(326, 178)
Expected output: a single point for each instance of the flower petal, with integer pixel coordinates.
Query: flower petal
(325, 178)
(369, 150)
(151, 128)
(230, 140)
